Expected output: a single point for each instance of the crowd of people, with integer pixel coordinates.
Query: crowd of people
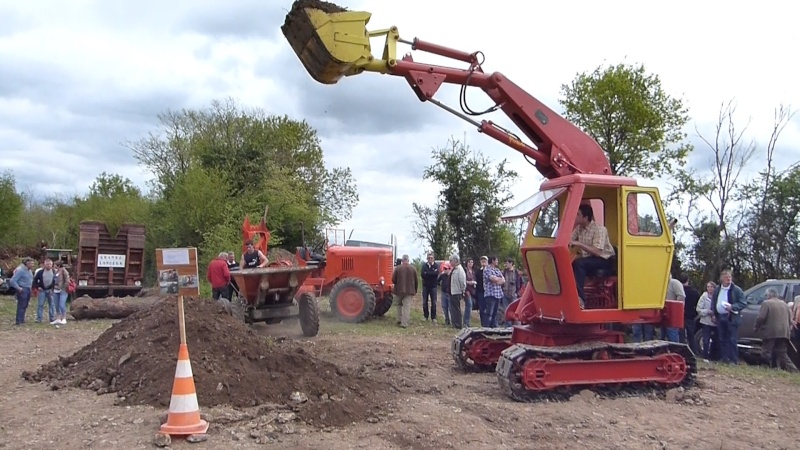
(50, 284)
(458, 288)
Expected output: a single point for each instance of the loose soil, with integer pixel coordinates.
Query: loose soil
(326, 7)
(431, 405)
(232, 365)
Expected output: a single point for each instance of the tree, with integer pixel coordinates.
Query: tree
(629, 114)
(432, 228)
(113, 200)
(473, 196)
(11, 206)
(265, 160)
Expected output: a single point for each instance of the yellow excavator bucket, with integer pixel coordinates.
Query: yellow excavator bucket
(330, 41)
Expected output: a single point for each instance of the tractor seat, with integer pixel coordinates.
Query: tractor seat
(309, 255)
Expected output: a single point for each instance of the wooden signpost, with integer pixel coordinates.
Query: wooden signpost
(178, 273)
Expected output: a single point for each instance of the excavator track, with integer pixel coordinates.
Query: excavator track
(513, 361)
(478, 349)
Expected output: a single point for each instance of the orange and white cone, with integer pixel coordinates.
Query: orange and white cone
(184, 411)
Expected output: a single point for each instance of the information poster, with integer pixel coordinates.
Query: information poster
(178, 271)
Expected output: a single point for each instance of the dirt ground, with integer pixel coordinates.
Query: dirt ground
(430, 405)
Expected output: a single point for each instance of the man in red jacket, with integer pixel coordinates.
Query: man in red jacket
(219, 276)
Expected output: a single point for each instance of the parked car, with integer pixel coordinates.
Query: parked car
(5, 287)
(749, 340)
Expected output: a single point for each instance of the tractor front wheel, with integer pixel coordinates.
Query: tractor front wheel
(384, 305)
(309, 314)
(352, 300)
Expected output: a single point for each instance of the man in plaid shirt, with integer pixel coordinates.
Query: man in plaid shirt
(595, 250)
(492, 292)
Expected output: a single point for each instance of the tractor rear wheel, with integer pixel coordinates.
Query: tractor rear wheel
(309, 314)
(352, 300)
(383, 306)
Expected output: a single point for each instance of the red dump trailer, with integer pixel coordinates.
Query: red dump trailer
(110, 265)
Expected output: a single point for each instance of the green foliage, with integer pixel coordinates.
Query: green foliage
(11, 206)
(473, 196)
(629, 114)
(432, 228)
(114, 200)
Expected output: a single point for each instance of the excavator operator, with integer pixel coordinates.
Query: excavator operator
(253, 258)
(595, 250)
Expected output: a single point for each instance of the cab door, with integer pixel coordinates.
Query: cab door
(645, 250)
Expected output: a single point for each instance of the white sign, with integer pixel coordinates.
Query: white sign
(175, 256)
(113, 261)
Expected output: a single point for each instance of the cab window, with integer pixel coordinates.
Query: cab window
(643, 218)
(548, 220)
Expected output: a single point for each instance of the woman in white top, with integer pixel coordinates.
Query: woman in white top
(707, 320)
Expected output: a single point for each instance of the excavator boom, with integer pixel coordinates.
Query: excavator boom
(333, 43)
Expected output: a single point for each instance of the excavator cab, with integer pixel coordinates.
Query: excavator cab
(634, 285)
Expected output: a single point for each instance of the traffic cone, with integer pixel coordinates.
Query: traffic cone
(184, 412)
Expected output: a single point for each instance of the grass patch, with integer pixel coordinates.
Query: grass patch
(8, 314)
(387, 324)
(749, 372)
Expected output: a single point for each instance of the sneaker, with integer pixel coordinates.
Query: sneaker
(55, 322)
(62, 322)
(434, 322)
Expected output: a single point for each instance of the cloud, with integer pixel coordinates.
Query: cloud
(79, 78)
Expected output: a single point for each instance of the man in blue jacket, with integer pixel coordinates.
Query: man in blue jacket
(21, 281)
(727, 303)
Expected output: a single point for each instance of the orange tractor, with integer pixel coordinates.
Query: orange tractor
(562, 344)
(356, 279)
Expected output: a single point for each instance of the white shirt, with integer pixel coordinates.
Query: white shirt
(722, 300)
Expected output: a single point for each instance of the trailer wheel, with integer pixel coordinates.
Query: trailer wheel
(309, 314)
(383, 306)
(234, 307)
(352, 300)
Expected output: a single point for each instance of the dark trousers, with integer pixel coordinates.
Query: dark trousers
(223, 292)
(708, 330)
(728, 332)
(429, 293)
(23, 296)
(455, 310)
(773, 352)
(689, 330)
(583, 266)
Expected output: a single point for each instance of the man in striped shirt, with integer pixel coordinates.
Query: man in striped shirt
(493, 292)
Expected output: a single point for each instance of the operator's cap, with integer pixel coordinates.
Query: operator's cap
(484, 258)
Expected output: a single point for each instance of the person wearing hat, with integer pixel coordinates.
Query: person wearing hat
(22, 281)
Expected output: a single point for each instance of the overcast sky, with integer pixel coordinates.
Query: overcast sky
(78, 78)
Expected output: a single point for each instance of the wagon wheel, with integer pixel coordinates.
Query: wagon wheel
(309, 314)
(383, 306)
(352, 300)
(235, 307)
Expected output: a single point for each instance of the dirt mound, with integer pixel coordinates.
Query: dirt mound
(279, 254)
(232, 365)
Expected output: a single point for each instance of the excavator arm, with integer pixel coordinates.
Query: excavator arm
(333, 43)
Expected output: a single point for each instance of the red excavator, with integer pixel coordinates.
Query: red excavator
(561, 346)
